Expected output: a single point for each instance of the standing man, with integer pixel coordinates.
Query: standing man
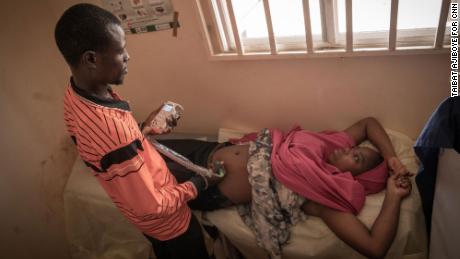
(110, 142)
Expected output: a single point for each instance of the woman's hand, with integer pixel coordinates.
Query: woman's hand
(399, 186)
(396, 167)
(399, 170)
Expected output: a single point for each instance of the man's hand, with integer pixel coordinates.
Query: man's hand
(215, 179)
(155, 131)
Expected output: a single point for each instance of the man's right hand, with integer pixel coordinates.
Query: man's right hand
(213, 180)
(154, 131)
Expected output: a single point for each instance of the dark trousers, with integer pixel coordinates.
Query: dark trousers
(198, 152)
(186, 246)
(190, 245)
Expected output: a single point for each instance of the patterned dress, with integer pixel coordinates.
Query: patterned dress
(274, 208)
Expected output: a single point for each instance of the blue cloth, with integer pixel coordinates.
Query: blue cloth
(441, 131)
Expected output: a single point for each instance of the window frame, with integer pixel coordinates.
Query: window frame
(329, 44)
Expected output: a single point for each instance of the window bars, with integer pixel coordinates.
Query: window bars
(224, 39)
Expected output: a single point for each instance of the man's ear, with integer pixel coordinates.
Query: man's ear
(89, 59)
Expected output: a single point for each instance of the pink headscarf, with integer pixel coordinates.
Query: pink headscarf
(299, 162)
(374, 180)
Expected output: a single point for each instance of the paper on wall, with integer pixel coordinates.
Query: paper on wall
(142, 15)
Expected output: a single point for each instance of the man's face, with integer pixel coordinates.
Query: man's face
(112, 64)
(356, 160)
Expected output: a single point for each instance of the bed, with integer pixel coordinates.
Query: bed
(96, 229)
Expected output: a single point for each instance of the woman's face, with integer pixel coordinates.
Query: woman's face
(356, 160)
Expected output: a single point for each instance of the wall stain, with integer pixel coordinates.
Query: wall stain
(17, 230)
(55, 169)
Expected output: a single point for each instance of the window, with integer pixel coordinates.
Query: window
(324, 27)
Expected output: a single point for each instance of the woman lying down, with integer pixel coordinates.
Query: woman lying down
(277, 178)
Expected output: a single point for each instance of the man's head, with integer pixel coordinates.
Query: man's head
(92, 42)
(356, 160)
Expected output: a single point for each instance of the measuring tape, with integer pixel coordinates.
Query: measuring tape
(218, 167)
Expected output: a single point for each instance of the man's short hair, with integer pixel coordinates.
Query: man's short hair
(83, 27)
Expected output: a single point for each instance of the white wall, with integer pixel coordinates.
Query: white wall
(401, 91)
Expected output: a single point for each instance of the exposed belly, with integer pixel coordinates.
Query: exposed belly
(235, 185)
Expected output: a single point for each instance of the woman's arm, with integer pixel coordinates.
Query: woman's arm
(371, 129)
(376, 242)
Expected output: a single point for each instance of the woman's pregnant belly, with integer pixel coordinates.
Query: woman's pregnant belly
(235, 185)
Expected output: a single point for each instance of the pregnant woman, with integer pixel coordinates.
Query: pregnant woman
(282, 176)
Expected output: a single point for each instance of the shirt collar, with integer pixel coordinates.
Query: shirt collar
(120, 104)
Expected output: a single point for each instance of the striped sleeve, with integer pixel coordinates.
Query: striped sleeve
(110, 142)
(125, 168)
(92, 126)
(150, 201)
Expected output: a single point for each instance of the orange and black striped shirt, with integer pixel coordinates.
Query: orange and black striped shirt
(126, 165)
